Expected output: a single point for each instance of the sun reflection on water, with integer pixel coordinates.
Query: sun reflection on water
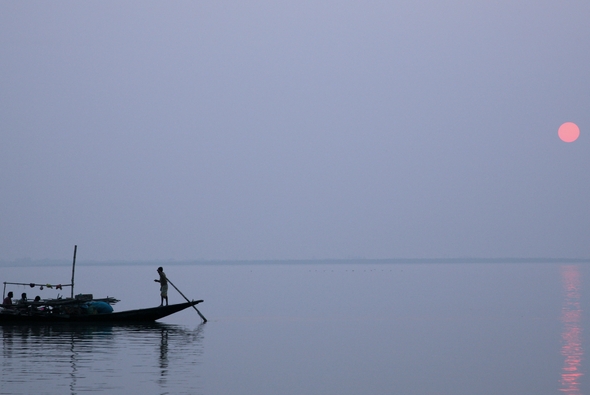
(571, 315)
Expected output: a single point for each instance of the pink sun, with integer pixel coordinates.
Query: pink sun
(569, 132)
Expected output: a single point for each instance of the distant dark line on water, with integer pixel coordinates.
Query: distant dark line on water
(47, 262)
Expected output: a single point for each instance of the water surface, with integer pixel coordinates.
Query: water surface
(314, 329)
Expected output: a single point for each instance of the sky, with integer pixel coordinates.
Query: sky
(293, 130)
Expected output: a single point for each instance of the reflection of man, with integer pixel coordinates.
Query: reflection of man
(163, 286)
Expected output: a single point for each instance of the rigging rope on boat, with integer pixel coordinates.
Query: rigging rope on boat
(33, 285)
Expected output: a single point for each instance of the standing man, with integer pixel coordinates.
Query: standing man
(163, 286)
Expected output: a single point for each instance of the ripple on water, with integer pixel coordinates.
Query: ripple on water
(154, 358)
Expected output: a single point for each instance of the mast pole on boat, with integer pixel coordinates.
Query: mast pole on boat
(74, 269)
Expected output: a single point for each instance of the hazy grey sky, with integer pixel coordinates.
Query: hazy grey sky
(304, 129)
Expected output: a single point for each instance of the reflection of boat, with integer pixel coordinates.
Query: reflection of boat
(71, 357)
(15, 316)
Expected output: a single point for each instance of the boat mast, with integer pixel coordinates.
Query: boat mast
(73, 269)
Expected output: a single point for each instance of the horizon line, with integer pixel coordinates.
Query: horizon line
(91, 262)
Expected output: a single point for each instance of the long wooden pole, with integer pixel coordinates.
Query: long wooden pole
(197, 310)
(74, 269)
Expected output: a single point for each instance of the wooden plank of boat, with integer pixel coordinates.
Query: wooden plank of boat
(149, 314)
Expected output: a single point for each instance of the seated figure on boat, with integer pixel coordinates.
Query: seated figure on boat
(35, 305)
(7, 302)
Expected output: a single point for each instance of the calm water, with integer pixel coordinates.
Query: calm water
(314, 329)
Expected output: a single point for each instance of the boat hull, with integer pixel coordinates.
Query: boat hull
(130, 316)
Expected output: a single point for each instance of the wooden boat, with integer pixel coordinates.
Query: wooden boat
(69, 313)
(82, 307)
